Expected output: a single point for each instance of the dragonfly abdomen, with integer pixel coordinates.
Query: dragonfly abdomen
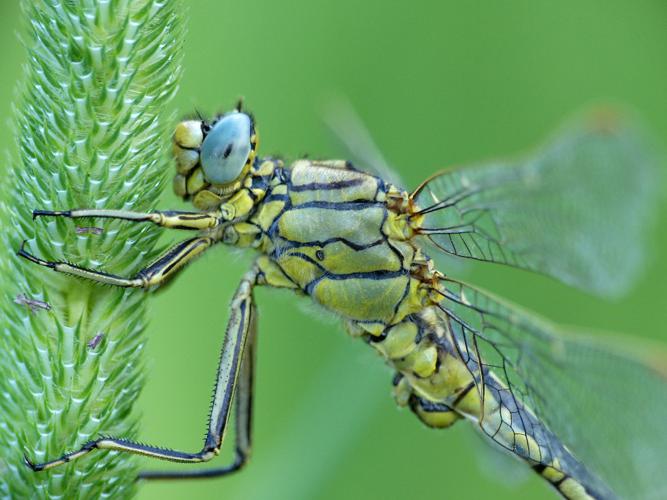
(441, 382)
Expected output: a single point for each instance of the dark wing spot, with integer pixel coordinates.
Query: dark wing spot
(228, 151)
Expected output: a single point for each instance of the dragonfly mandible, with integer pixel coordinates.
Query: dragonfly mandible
(359, 246)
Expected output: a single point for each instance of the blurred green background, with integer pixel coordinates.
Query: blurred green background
(438, 83)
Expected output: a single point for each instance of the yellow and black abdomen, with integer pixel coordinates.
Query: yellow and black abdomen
(333, 235)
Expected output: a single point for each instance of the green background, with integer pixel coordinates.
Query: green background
(438, 83)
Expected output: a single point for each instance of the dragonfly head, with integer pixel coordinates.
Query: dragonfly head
(213, 159)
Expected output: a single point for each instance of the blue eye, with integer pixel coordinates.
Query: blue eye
(226, 148)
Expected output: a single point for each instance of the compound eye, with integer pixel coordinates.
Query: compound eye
(226, 148)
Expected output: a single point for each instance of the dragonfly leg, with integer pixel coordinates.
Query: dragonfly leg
(154, 275)
(170, 219)
(234, 380)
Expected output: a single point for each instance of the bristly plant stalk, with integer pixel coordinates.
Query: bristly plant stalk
(91, 131)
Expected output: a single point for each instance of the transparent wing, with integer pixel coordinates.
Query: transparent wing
(576, 211)
(608, 408)
(346, 124)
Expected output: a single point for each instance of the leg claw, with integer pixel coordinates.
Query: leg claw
(29, 463)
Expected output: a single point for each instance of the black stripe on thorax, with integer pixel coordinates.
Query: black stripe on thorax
(369, 275)
(308, 259)
(327, 186)
(290, 244)
(276, 197)
(338, 205)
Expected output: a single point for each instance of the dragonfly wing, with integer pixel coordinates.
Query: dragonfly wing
(609, 409)
(576, 211)
(346, 124)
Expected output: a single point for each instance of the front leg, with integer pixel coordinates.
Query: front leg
(155, 274)
(171, 218)
(233, 384)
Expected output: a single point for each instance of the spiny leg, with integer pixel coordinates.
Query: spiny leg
(232, 377)
(154, 275)
(243, 409)
(171, 219)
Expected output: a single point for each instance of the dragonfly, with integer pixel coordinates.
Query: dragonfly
(584, 412)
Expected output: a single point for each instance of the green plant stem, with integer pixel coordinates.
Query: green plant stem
(91, 131)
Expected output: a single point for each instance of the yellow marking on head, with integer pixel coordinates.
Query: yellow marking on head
(186, 159)
(196, 181)
(188, 134)
(180, 186)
